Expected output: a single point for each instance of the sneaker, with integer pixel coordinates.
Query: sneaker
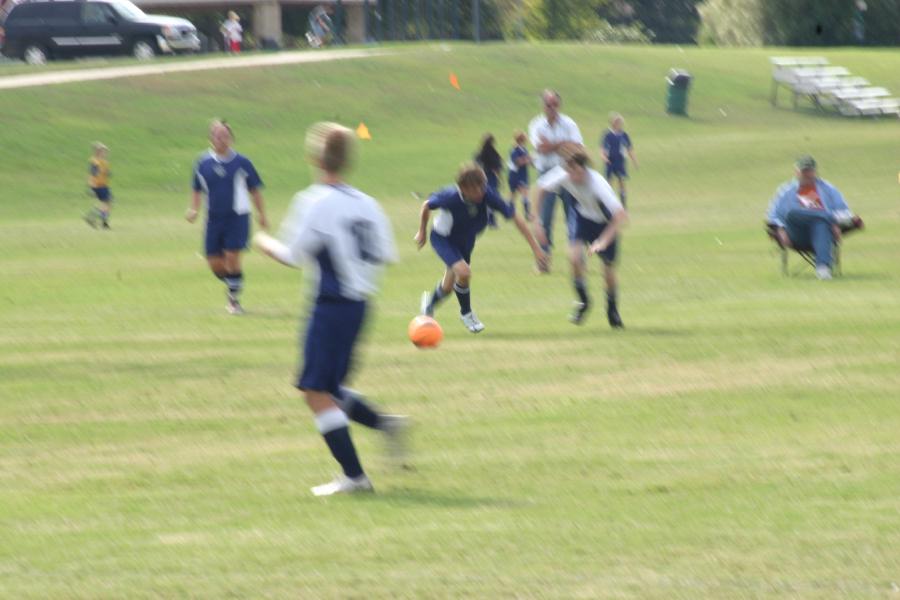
(615, 321)
(425, 307)
(234, 307)
(823, 272)
(579, 310)
(344, 485)
(106, 225)
(395, 429)
(472, 323)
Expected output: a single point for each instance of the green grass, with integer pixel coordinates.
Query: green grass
(738, 440)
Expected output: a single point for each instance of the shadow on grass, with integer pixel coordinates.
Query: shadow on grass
(597, 331)
(414, 497)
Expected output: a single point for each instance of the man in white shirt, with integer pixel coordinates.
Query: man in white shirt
(548, 133)
(597, 216)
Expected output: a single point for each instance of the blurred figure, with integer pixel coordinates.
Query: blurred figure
(859, 21)
(320, 26)
(98, 181)
(347, 236)
(519, 160)
(490, 162)
(598, 216)
(548, 132)
(229, 181)
(611, 150)
(232, 32)
(808, 213)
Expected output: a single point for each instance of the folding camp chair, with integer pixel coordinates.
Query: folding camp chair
(807, 255)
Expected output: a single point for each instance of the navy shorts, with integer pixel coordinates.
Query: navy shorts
(616, 168)
(328, 351)
(449, 252)
(229, 232)
(515, 182)
(103, 194)
(588, 231)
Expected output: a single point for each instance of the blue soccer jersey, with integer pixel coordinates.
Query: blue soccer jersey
(226, 183)
(518, 173)
(615, 144)
(461, 221)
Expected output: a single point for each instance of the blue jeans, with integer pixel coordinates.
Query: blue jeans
(548, 203)
(811, 230)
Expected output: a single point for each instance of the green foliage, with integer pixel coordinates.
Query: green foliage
(732, 23)
(562, 19)
(607, 33)
(670, 21)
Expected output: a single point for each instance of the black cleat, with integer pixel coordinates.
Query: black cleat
(615, 321)
(579, 310)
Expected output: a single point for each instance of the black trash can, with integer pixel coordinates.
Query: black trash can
(676, 97)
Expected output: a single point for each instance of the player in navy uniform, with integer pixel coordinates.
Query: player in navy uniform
(519, 159)
(228, 180)
(598, 216)
(462, 216)
(613, 147)
(346, 237)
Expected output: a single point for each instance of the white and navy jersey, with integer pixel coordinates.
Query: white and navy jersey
(345, 234)
(226, 182)
(595, 200)
(563, 130)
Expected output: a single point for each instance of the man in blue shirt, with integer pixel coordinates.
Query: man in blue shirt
(808, 213)
(462, 216)
(228, 180)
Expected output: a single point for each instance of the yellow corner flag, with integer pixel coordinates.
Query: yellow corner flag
(362, 132)
(454, 81)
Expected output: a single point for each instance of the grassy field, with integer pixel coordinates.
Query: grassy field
(737, 440)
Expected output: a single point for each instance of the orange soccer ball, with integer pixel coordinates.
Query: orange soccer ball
(425, 332)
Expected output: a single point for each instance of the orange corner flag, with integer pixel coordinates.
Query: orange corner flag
(454, 81)
(362, 132)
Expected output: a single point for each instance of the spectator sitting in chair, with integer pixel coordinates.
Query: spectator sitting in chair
(809, 214)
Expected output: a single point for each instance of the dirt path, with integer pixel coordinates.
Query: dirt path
(231, 62)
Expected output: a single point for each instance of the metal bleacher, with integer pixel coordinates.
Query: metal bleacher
(830, 87)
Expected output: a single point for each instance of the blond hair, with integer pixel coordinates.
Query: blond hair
(99, 147)
(330, 146)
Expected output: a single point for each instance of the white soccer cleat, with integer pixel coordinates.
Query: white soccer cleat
(234, 307)
(344, 485)
(472, 323)
(823, 272)
(396, 429)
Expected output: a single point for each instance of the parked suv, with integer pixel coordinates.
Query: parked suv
(36, 30)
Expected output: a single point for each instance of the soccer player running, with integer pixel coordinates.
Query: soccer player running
(611, 151)
(598, 217)
(346, 237)
(228, 180)
(462, 215)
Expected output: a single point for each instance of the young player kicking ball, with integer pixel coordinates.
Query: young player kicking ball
(462, 215)
(346, 235)
(598, 217)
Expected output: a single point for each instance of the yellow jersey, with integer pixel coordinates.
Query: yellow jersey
(99, 173)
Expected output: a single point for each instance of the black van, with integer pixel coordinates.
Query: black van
(37, 30)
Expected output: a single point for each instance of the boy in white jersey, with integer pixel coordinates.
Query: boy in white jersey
(598, 216)
(344, 234)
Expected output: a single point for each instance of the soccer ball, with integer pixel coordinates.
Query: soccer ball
(425, 332)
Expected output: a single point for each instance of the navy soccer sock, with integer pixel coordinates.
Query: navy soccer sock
(235, 283)
(581, 290)
(611, 298)
(356, 407)
(334, 427)
(465, 299)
